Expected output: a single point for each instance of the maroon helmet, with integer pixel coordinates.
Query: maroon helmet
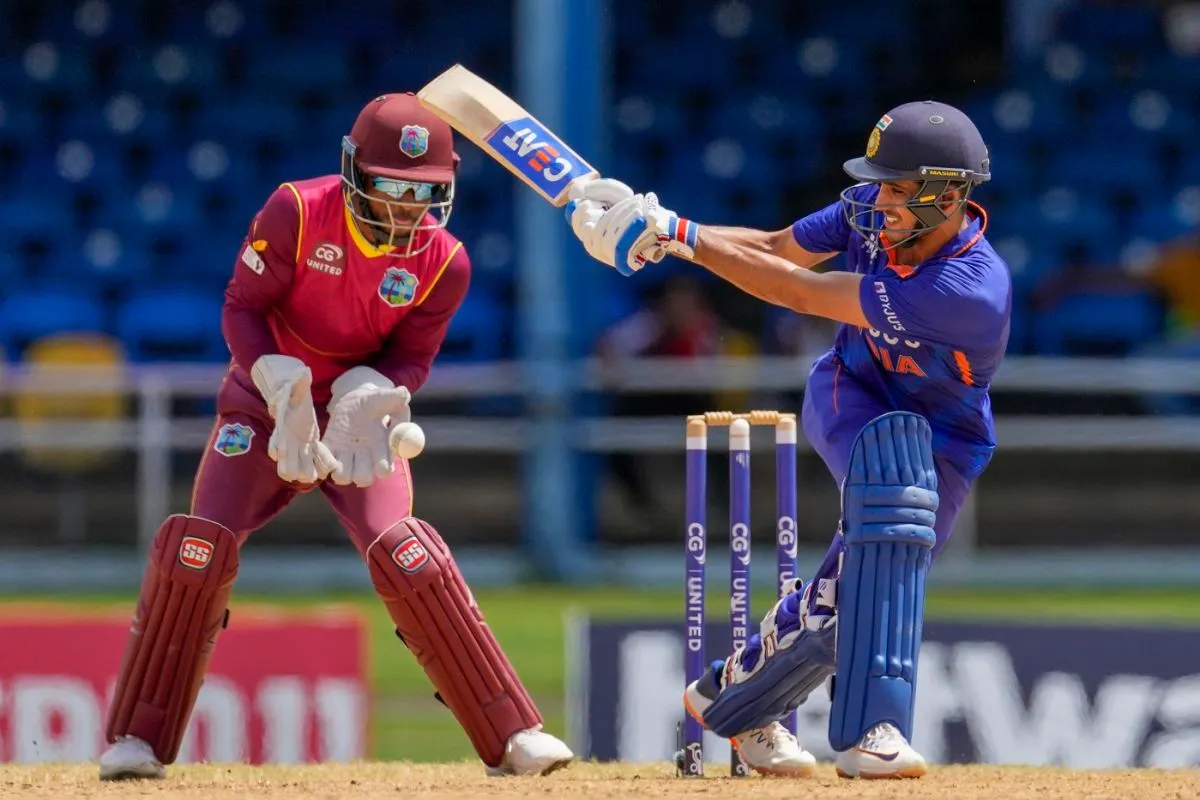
(401, 155)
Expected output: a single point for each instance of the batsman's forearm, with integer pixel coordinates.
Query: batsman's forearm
(761, 274)
(750, 238)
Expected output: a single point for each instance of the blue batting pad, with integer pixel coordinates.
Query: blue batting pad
(779, 686)
(889, 506)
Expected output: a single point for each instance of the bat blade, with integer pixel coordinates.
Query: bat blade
(503, 129)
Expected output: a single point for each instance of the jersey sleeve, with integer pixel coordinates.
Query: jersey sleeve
(937, 305)
(262, 276)
(414, 343)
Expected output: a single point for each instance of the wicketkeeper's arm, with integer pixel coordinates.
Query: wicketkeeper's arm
(262, 276)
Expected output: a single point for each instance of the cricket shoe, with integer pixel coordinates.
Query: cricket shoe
(881, 753)
(130, 758)
(532, 752)
(770, 750)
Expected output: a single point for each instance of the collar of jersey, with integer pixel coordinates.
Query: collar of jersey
(366, 248)
(967, 238)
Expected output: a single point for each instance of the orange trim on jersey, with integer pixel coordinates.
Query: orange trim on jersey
(905, 271)
(300, 230)
(283, 321)
(964, 367)
(438, 276)
(983, 223)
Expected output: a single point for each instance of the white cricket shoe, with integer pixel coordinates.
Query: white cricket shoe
(770, 750)
(882, 753)
(773, 750)
(532, 752)
(130, 757)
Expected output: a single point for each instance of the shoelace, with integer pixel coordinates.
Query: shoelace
(773, 736)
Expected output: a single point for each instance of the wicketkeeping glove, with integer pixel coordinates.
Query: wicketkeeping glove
(364, 408)
(295, 444)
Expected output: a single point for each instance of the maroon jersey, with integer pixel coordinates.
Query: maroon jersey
(308, 284)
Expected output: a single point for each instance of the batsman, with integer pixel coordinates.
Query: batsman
(898, 409)
(340, 298)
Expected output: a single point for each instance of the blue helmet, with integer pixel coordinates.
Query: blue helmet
(932, 143)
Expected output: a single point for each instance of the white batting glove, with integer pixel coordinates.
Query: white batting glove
(295, 444)
(634, 231)
(362, 412)
(594, 225)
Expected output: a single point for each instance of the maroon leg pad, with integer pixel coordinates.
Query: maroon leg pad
(436, 615)
(181, 609)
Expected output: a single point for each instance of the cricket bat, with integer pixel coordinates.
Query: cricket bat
(507, 132)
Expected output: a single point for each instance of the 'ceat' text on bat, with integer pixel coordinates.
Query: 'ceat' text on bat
(507, 132)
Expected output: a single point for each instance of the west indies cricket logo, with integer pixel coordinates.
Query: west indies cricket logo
(233, 440)
(398, 287)
(414, 141)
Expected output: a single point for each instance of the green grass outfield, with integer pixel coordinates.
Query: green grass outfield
(411, 725)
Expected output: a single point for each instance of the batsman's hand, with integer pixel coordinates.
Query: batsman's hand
(295, 444)
(362, 412)
(632, 230)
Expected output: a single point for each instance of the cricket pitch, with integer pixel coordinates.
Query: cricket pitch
(581, 781)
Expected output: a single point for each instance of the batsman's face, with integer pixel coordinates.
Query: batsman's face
(892, 201)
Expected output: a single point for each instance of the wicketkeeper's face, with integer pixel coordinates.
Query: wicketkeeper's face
(403, 211)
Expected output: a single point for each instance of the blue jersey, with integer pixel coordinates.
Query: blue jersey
(938, 331)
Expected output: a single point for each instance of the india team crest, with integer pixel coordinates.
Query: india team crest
(233, 440)
(414, 141)
(398, 287)
(877, 134)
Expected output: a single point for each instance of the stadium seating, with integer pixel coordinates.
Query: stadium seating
(137, 139)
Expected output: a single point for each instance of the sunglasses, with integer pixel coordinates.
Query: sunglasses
(396, 189)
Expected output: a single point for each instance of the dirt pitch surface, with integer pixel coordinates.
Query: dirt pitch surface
(581, 781)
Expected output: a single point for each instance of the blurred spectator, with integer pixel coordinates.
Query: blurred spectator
(1175, 273)
(680, 323)
(1090, 308)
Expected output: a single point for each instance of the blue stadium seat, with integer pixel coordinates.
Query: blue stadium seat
(1170, 73)
(291, 69)
(1106, 25)
(251, 116)
(31, 312)
(171, 323)
(1144, 114)
(1162, 221)
(160, 70)
(18, 120)
(108, 259)
(1093, 323)
(1118, 166)
(236, 99)
(478, 331)
(11, 268)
